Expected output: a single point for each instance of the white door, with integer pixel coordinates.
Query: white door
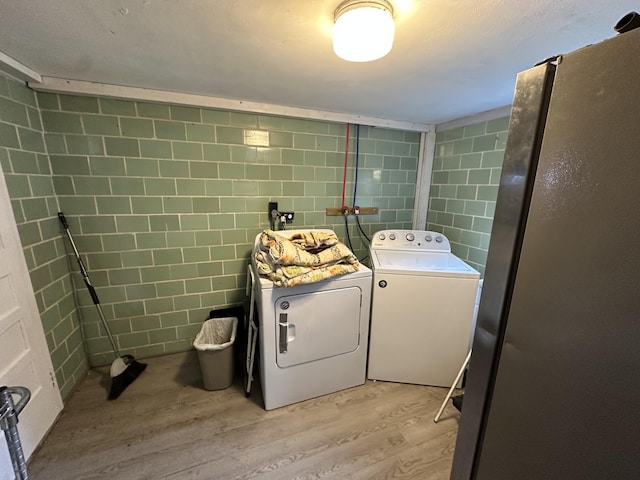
(313, 326)
(24, 356)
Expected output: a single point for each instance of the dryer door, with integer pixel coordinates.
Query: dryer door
(317, 325)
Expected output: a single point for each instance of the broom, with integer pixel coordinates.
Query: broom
(124, 369)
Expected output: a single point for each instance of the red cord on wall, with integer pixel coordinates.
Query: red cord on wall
(346, 159)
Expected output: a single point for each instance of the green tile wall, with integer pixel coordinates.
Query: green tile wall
(25, 164)
(166, 201)
(464, 186)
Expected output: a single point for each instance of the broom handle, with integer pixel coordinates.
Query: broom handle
(87, 282)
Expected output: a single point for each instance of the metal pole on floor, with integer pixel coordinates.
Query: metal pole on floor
(9, 424)
(455, 382)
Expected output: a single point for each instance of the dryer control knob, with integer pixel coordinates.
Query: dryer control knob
(428, 238)
(392, 236)
(381, 236)
(439, 239)
(411, 237)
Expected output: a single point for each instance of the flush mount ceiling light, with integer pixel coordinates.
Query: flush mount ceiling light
(363, 30)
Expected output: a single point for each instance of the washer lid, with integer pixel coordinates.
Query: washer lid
(413, 262)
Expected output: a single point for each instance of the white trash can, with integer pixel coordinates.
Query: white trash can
(214, 344)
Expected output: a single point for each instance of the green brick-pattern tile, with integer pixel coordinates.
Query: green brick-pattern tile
(25, 162)
(166, 201)
(465, 179)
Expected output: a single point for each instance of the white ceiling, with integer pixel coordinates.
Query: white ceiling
(451, 58)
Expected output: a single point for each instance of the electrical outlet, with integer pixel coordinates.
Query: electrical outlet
(288, 216)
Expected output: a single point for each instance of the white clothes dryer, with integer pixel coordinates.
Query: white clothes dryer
(313, 338)
(423, 300)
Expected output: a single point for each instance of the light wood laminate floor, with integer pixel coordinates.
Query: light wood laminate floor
(166, 426)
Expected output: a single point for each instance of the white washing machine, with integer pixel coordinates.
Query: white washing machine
(423, 300)
(312, 338)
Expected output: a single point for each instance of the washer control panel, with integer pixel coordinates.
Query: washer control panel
(410, 240)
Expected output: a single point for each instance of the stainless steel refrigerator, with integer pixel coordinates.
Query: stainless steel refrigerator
(553, 386)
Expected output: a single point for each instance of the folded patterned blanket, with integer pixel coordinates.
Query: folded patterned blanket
(301, 258)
